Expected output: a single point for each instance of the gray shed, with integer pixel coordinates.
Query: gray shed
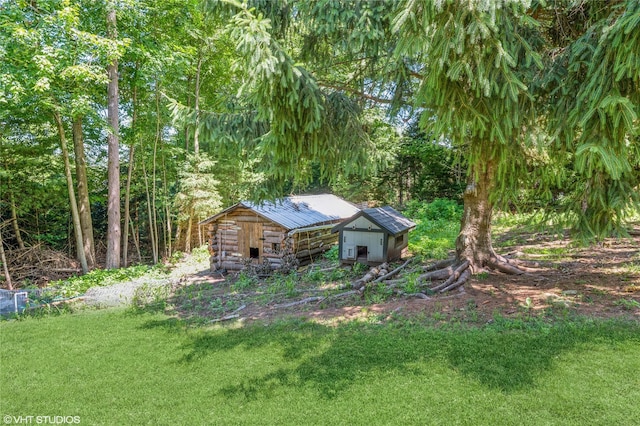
(373, 236)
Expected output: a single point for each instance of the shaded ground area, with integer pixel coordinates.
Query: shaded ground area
(600, 281)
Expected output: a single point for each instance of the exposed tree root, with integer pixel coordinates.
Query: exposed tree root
(439, 274)
(453, 278)
(523, 265)
(502, 266)
(455, 273)
(439, 265)
(464, 276)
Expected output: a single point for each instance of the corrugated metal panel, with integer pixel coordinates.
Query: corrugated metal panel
(390, 219)
(299, 211)
(304, 210)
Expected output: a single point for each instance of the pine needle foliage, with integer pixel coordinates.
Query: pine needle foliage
(478, 59)
(287, 121)
(595, 92)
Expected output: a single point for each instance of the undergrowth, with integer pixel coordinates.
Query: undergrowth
(437, 226)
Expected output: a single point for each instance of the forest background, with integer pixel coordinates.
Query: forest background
(125, 123)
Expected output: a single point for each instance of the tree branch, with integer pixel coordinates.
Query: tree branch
(353, 91)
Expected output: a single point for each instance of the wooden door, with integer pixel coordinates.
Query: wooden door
(250, 240)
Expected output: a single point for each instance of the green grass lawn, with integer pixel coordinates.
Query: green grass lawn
(118, 368)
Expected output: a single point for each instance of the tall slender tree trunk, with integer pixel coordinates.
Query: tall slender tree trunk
(196, 131)
(187, 240)
(135, 232)
(196, 148)
(167, 210)
(187, 129)
(154, 247)
(127, 200)
(178, 234)
(127, 194)
(84, 205)
(5, 267)
(154, 174)
(14, 219)
(75, 215)
(113, 165)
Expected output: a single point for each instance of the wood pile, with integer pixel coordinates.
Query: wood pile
(373, 274)
(312, 243)
(39, 265)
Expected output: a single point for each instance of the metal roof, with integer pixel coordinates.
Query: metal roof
(298, 211)
(386, 217)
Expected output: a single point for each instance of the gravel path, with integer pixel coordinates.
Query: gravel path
(121, 294)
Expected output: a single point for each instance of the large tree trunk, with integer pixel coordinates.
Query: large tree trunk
(474, 251)
(113, 165)
(84, 206)
(75, 216)
(474, 240)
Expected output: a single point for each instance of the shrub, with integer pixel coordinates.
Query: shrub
(437, 227)
(438, 209)
(333, 254)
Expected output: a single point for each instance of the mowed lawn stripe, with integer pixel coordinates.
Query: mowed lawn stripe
(117, 367)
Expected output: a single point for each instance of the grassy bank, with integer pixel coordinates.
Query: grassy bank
(117, 367)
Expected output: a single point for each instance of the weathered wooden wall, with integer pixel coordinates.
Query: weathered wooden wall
(232, 236)
(307, 245)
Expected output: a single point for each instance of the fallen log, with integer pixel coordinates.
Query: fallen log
(232, 315)
(301, 302)
(392, 273)
(373, 273)
(317, 299)
(345, 294)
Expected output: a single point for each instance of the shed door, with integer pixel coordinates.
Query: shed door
(375, 243)
(250, 240)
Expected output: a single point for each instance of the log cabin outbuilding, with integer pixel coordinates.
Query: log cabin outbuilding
(373, 236)
(299, 225)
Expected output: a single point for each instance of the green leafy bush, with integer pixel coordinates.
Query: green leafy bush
(437, 226)
(244, 281)
(438, 209)
(333, 254)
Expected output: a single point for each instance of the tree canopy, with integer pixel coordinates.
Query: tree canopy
(508, 103)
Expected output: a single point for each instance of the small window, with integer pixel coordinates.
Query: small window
(399, 240)
(254, 252)
(275, 247)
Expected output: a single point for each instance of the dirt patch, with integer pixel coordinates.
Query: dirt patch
(600, 281)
